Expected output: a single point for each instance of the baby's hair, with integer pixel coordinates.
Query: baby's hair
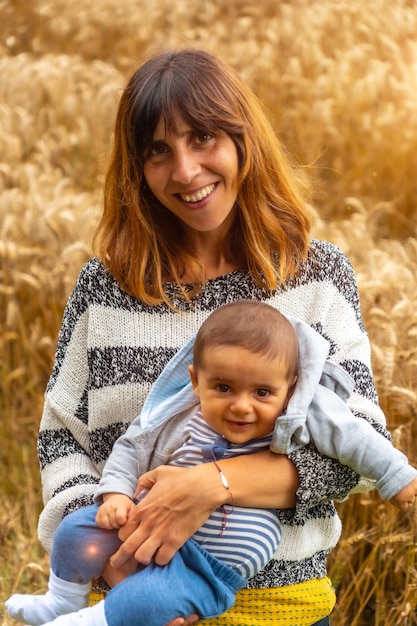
(255, 326)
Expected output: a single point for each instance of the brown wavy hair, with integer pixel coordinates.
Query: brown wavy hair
(138, 239)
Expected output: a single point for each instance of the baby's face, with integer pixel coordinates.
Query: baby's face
(241, 393)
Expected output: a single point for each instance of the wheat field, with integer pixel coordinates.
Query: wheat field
(339, 81)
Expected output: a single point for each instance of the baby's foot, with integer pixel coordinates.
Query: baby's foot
(89, 616)
(34, 609)
(61, 598)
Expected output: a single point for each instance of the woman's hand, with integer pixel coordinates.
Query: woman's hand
(178, 503)
(181, 499)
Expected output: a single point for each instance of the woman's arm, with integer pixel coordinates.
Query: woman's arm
(69, 477)
(181, 499)
(331, 306)
(261, 480)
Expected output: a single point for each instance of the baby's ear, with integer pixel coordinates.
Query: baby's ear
(193, 377)
(291, 388)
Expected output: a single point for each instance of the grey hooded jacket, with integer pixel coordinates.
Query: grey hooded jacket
(317, 414)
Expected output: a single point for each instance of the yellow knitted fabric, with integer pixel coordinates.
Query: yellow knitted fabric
(94, 597)
(295, 605)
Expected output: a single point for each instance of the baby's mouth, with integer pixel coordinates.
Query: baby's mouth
(239, 424)
(199, 195)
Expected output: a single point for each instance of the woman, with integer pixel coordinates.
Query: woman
(201, 208)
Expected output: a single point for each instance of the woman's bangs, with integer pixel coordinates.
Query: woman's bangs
(189, 99)
(194, 99)
(160, 102)
(145, 123)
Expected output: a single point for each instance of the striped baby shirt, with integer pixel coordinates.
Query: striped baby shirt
(251, 536)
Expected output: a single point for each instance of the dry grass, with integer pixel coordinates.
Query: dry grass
(339, 78)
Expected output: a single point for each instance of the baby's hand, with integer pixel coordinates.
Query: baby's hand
(405, 496)
(114, 511)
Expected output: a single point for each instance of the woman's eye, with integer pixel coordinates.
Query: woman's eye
(159, 149)
(156, 150)
(202, 137)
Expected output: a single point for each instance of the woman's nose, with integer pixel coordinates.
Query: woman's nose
(185, 166)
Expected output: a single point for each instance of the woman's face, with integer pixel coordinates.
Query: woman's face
(194, 175)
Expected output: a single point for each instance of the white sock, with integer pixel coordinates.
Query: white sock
(62, 597)
(90, 616)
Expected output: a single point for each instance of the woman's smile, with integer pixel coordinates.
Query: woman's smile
(196, 196)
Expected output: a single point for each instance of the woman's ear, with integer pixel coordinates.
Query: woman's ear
(193, 377)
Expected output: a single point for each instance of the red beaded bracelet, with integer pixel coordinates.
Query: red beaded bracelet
(226, 485)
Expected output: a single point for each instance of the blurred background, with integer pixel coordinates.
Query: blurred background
(338, 79)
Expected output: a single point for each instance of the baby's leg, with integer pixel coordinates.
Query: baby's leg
(81, 548)
(62, 597)
(90, 616)
(79, 552)
(193, 582)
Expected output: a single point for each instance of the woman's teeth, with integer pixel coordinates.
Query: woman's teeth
(196, 197)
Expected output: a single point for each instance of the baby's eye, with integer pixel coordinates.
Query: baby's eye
(223, 388)
(262, 393)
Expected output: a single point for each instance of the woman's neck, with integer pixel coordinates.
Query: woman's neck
(214, 255)
(218, 267)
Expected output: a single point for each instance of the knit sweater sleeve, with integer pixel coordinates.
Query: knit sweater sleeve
(337, 317)
(69, 473)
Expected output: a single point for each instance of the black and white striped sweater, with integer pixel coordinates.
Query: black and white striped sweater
(112, 347)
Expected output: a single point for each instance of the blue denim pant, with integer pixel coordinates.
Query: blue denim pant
(193, 582)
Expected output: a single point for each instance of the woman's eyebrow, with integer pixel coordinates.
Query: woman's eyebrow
(179, 134)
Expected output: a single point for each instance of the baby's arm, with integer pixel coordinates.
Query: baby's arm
(406, 495)
(114, 511)
(337, 433)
